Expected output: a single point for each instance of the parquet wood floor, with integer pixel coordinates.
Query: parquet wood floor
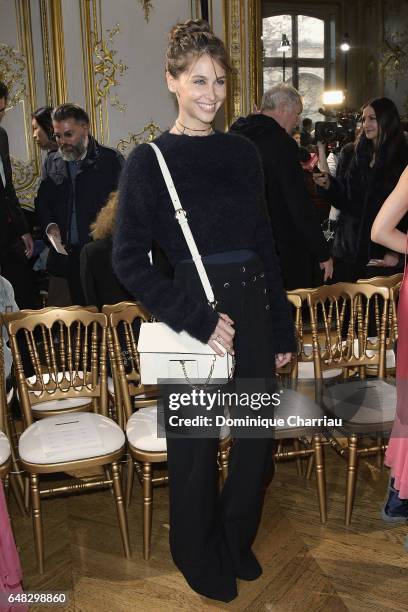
(307, 567)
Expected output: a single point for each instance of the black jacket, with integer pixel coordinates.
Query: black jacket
(99, 283)
(12, 221)
(295, 224)
(360, 192)
(97, 178)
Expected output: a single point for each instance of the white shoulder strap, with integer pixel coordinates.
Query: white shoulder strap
(181, 217)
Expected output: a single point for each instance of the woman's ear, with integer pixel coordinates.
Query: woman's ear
(171, 82)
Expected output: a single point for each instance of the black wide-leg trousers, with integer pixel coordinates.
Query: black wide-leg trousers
(211, 533)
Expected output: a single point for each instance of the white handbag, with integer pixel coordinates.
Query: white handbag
(178, 357)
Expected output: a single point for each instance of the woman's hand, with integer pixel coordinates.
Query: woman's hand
(282, 359)
(223, 335)
(391, 259)
(322, 179)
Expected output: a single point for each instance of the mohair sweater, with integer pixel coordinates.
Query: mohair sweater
(220, 184)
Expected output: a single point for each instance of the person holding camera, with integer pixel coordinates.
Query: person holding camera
(300, 243)
(378, 160)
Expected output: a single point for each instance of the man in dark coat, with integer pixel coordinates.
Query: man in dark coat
(16, 243)
(76, 182)
(299, 238)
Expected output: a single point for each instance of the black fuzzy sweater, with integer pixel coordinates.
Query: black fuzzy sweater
(220, 184)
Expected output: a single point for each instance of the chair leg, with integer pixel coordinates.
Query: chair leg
(120, 507)
(320, 476)
(310, 466)
(37, 522)
(27, 493)
(352, 465)
(147, 508)
(379, 453)
(296, 446)
(130, 473)
(18, 493)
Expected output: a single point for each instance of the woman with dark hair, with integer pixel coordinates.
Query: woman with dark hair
(220, 184)
(379, 158)
(43, 132)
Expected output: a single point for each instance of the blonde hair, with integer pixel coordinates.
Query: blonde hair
(190, 39)
(104, 224)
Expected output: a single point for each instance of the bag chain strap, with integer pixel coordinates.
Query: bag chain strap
(204, 386)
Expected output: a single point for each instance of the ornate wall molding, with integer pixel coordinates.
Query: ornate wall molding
(45, 37)
(147, 134)
(235, 36)
(19, 74)
(12, 73)
(147, 6)
(58, 50)
(102, 70)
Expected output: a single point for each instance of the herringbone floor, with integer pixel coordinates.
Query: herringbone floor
(307, 567)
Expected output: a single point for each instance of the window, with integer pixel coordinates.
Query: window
(306, 64)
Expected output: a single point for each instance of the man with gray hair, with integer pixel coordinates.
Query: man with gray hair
(299, 238)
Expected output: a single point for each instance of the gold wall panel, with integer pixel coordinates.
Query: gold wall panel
(17, 70)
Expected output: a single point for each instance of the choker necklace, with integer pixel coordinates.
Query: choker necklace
(209, 130)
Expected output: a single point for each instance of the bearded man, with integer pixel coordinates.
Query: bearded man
(75, 184)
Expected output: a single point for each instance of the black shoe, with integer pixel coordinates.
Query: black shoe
(249, 568)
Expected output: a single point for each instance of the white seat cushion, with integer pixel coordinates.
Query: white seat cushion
(306, 370)
(62, 404)
(142, 428)
(70, 438)
(4, 448)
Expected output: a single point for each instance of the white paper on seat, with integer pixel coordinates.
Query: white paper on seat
(71, 430)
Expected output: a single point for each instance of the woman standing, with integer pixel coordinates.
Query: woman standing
(220, 184)
(379, 158)
(385, 231)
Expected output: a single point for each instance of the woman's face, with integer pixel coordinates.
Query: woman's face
(370, 125)
(39, 135)
(200, 91)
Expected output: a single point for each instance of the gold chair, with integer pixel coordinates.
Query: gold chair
(146, 448)
(299, 405)
(140, 396)
(56, 404)
(5, 449)
(75, 369)
(393, 283)
(365, 407)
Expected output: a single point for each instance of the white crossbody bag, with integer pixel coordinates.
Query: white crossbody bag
(178, 357)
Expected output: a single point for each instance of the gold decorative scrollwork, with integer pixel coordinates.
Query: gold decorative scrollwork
(394, 57)
(147, 7)
(12, 73)
(106, 68)
(24, 172)
(149, 133)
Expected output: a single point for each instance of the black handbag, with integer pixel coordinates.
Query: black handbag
(57, 264)
(346, 237)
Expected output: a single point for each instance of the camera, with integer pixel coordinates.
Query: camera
(339, 131)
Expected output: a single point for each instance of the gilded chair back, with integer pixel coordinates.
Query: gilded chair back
(343, 311)
(123, 332)
(393, 283)
(66, 350)
(298, 299)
